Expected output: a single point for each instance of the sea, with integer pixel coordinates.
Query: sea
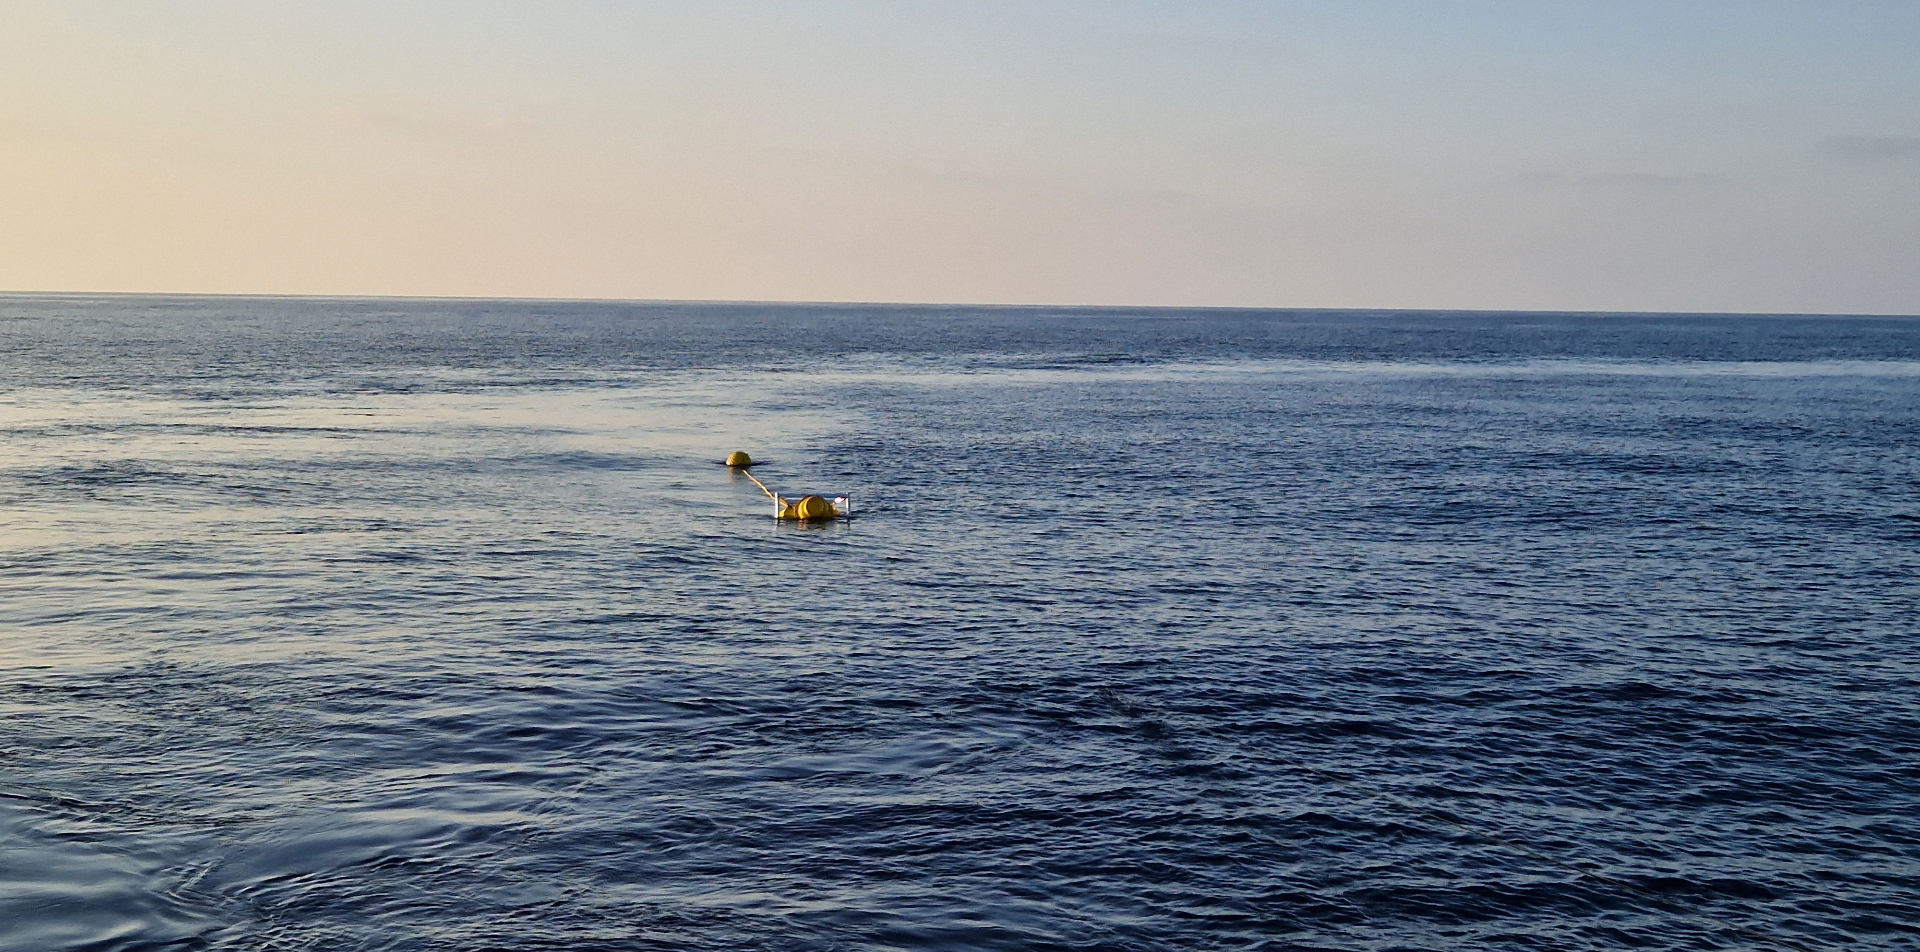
(427, 624)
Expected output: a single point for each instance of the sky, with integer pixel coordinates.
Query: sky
(1677, 155)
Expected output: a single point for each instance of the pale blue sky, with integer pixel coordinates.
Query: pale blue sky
(1746, 156)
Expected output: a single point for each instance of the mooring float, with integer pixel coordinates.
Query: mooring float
(805, 509)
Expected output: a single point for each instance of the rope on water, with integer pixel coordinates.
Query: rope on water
(763, 486)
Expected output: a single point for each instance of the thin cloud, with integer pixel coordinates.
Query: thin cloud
(1873, 148)
(1644, 183)
(1653, 181)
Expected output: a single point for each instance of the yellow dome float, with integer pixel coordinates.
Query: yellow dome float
(809, 508)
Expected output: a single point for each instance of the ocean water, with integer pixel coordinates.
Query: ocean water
(373, 624)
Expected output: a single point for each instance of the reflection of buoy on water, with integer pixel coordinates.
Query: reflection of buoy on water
(804, 509)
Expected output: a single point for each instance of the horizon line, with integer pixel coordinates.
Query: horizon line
(1576, 312)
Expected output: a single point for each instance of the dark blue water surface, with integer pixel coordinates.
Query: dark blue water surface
(364, 624)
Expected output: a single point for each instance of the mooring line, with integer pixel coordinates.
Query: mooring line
(1134, 709)
(763, 486)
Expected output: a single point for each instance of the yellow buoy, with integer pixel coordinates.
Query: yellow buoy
(739, 460)
(809, 508)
